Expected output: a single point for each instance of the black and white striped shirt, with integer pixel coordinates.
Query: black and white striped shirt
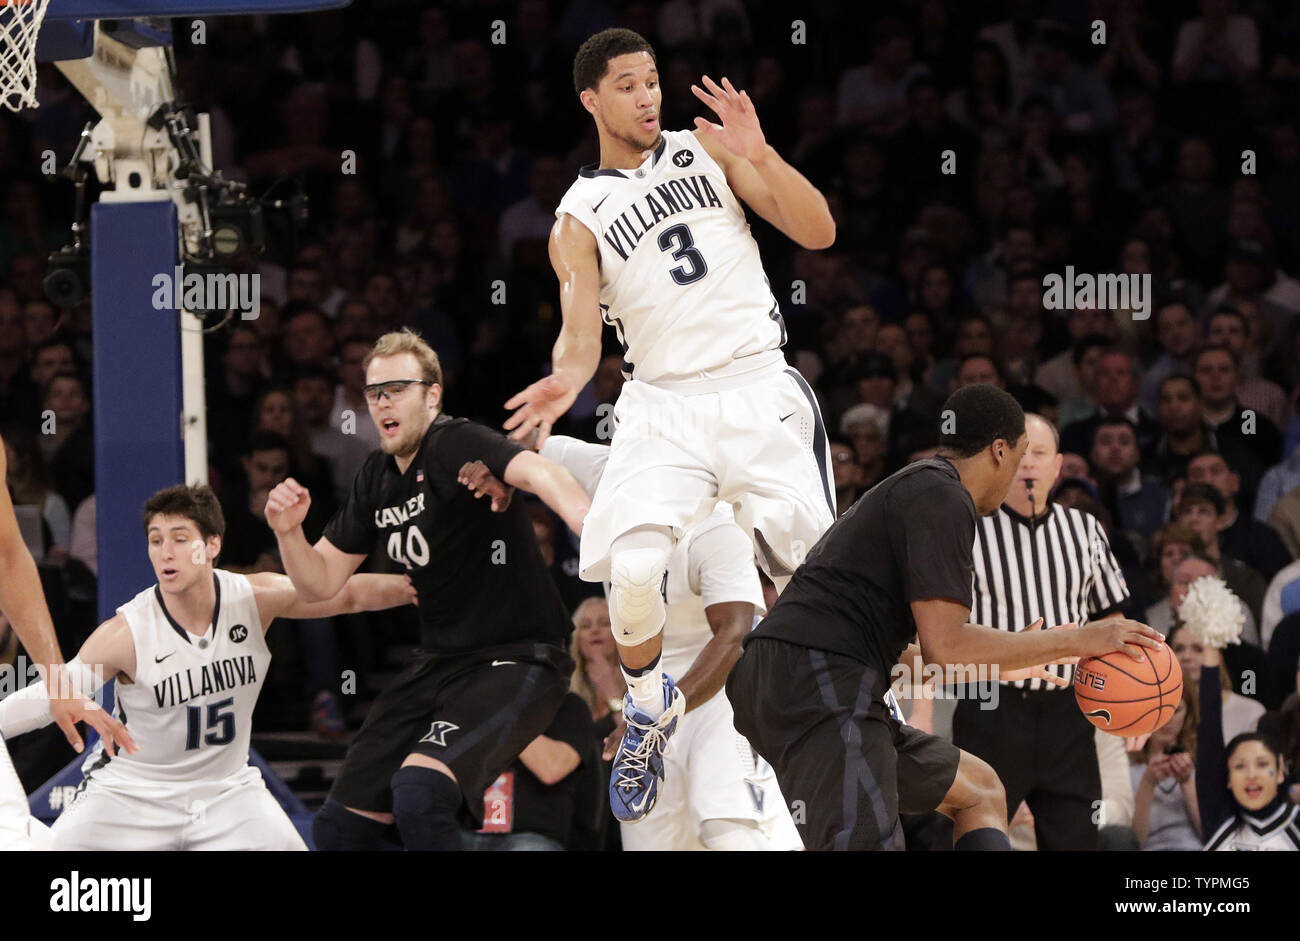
(1058, 567)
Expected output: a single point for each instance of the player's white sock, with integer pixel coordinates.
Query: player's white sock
(645, 687)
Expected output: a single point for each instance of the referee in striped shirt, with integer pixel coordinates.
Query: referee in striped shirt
(1034, 558)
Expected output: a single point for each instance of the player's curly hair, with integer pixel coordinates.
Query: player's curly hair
(196, 503)
(592, 61)
(977, 415)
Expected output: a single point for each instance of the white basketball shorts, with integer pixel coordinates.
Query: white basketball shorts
(756, 441)
(237, 813)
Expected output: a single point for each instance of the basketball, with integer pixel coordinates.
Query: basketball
(1121, 696)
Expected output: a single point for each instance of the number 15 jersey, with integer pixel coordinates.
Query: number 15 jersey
(681, 280)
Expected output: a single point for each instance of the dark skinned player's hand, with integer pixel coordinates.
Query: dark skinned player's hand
(482, 482)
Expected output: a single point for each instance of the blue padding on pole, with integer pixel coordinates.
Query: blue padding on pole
(137, 388)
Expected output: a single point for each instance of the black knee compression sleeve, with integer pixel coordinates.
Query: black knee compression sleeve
(425, 804)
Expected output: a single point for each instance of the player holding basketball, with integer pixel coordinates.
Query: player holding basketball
(808, 692)
(494, 669)
(190, 656)
(654, 241)
(23, 603)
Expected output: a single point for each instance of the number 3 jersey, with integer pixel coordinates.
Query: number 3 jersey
(190, 707)
(681, 279)
(479, 575)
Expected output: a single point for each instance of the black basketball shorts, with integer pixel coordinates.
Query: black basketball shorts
(474, 712)
(846, 767)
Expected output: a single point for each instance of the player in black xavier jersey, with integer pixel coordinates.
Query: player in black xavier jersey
(493, 668)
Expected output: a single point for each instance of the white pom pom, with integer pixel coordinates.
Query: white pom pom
(1211, 613)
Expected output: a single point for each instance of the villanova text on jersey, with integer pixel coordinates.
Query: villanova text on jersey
(183, 685)
(681, 280)
(667, 199)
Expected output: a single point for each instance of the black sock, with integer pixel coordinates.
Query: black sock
(985, 838)
(425, 804)
(335, 828)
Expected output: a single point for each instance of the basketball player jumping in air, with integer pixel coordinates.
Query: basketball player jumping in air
(718, 794)
(654, 242)
(189, 655)
(23, 602)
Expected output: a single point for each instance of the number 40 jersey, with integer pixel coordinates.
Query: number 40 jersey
(190, 708)
(681, 280)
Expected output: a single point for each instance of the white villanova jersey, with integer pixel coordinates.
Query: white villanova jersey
(681, 280)
(190, 708)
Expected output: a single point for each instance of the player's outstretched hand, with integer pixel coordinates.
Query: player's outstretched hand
(287, 505)
(539, 407)
(483, 483)
(739, 132)
(68, 707)
(1041, 672)
(1097, 640)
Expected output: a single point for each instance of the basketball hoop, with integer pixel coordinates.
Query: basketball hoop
(20, 23)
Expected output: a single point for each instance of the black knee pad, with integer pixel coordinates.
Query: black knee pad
(337, 829)
(425, 805)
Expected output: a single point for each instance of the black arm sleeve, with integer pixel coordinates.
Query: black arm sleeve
(1211, 760)
(938, 539)
(352, 527)
(469, 441)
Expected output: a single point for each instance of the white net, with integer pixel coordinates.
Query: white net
(20, 23)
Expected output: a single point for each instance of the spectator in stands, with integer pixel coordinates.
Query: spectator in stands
(1139, 504)
(1252, 809)
(275, 411)
(30, 485)
(912, 397)
(984, 104)
(1117, 395)
(19, 398)
(1217, 373)
(979, 368)
(1179, 336)
(1239, 713)
(68, 447)
(1060, 374)
(1229, 328)
(1203, 509)
(313, 399)
(866, 425)
(1165, 812)
(307, 337)
(1186, 432)
(350, 413)
(848, 475)
(1280, 601)
(1242, 537)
